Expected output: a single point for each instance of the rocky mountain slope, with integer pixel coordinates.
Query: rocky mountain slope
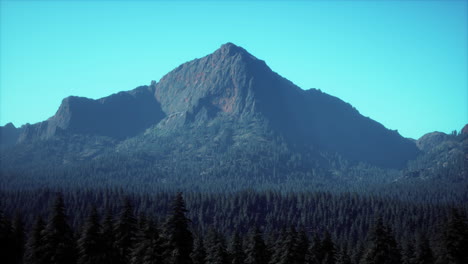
(224, 114)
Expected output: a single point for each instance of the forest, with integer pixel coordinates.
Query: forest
(113, 226)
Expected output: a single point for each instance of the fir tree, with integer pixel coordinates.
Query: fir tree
(408, 256)
(256, 250)
(315, 252)
(288, 248)
(302, 246)
(455, 240)
(216, 252)
(328, 249)
(90, 244)
(18, 236)
(34, 253)
(423, 253)
(343, 257)
(58, 241)
(108, 239)
(199, 252)
(236, 251)
(179, 240)
(6, 240)
(148, 249)
(124, 232)
(382, 247)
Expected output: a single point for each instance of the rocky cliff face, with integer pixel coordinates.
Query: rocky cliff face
(231, 83)
(119, 116)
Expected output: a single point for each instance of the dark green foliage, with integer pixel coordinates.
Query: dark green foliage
(6, 239)
(343, 257)
(256, 250)
(179, 240)
(108, 240)
(199, 251)
(231, 214)
(328, 249)
(408, 253)
(34, 252)
(382, 247)
(149, 246)
(216, 252)
(236, 251)
(58, 242)
(18, 236)
(455, 241)
(423, 253)
(316, 253)
(91, 244)
(125, 232)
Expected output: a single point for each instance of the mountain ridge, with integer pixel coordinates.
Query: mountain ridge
(230, 84)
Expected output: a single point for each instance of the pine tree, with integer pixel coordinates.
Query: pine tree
(328, 249)
(125, 232)
(408, 256)
(179, 240)
(108, 239)
(423, 253)
(199, 252)
(6, 240)
(343, 257)
(91, 244)
(236, 250)
(315, 252)
(58, 241)
(382, 247)
(455, 240)
(216, 252)
(19, 238)
(34, 253)
(148, 249)
(256, 250)
(302, 247)
(288, 248)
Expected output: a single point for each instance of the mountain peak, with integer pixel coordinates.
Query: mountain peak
(231, 49)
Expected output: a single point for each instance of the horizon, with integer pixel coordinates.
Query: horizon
(48, 53)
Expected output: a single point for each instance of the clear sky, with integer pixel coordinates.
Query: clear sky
(402, 63)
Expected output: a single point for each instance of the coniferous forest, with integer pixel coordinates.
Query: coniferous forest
(48, 226)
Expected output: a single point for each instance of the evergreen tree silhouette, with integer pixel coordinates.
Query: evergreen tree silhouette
(90, 244)
(216, 252)
(148, 249)
(179, 240)
(108, 239)
(19, 238)
(256, 250)
(382, 247)
(455, 240)
(34, 253)
(199, 252)
(236, 251)
(124, 232)
(423, 253)
(6, 240)
(58, 241)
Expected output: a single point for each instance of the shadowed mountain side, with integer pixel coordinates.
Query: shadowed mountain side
(119, 116)
(233, 82)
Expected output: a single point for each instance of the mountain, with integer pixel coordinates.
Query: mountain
(444, 156)
(213, 115)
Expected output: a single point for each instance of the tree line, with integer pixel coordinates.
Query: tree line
(123, 236)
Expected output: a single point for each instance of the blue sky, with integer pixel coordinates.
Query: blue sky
(402, 63)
